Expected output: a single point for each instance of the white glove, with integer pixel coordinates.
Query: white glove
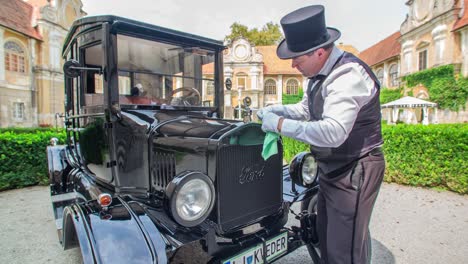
(277, 109)
(270, 122)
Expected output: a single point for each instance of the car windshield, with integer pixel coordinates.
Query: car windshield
(157, 73)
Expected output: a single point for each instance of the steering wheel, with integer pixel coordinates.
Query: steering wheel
(192, 96)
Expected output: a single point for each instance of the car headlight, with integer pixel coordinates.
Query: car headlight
(303, 169)
(191, 198)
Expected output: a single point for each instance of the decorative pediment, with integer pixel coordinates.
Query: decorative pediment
(240, 50)
(423, 11)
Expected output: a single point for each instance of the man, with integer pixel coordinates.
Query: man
(339, 117)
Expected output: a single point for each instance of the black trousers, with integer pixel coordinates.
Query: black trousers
(344, 210)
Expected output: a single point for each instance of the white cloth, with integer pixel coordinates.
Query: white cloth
(345, 91)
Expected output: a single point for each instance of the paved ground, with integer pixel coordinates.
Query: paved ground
(409, 225)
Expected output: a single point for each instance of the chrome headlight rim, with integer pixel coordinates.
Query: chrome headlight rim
(175, 186)
(295, 169)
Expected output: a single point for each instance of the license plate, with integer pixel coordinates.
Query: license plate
(275, 247)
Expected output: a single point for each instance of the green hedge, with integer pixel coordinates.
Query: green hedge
(417, 155)
(292, 98)
(430, 156)
(23, 156)
(388, 95)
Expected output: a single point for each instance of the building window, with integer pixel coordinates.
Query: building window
(292, 86)
(14, 57)
(18, 111)
(394, 76)
(241, 81)
(379, 75)
(270, 86)
(422, 60)
(210, 88)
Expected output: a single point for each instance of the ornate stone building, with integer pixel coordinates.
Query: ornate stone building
(31, 79)
(434, 33)
(257, 73)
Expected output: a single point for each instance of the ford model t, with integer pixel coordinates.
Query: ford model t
(151, 172)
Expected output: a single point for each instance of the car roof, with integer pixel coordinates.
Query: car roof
(140, 29)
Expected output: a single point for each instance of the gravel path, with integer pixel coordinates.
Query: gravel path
(409, 225)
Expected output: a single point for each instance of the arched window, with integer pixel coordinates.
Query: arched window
(14, 57)
(270, 86)
(379, 75)
(292, 86)
(394, 75)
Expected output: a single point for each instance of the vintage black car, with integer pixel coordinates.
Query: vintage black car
(151, 172)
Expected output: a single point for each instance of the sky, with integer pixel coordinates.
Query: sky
(362, 23)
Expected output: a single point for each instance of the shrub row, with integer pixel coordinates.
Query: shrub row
(23, 156)
(417, 155)
(428, 156)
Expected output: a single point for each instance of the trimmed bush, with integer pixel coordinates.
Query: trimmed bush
(293, 98)
(417, 155)
(23, 156)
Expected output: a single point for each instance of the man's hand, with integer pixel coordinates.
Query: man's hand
(277, 109)
(261, 113)
(270, 122)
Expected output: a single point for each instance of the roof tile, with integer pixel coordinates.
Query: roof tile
(383, 50)
(274, 65)
(463, 21)
(18, 15)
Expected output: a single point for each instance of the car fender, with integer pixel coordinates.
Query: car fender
(120, 234)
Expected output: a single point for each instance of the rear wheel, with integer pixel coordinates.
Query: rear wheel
(310, 205)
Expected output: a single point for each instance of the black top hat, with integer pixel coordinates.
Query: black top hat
(305, 31)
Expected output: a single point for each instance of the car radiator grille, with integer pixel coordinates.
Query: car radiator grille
(163, 169)
(248, 187)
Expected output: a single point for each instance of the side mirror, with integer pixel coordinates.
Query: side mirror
(72, 69)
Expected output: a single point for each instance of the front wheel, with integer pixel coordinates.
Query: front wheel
(310, 205)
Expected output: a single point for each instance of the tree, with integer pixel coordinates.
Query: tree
(270, 34)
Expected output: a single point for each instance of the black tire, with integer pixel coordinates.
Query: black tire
(310, 205)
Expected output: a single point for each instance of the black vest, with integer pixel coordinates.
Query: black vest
(366, 133)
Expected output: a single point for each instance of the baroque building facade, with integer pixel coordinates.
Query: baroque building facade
(257, 72)
(434, 33)
(31, 80)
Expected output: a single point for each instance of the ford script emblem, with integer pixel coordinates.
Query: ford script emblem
(251, 173)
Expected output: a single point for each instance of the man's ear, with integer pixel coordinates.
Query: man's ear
(320, 52)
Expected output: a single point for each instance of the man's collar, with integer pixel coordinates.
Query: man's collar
(328, 66)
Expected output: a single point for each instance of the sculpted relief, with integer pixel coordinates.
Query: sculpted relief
(422, 11)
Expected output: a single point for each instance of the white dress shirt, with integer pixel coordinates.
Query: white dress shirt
(345, 91)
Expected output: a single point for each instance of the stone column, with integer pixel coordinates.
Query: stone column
(254, 72)
(2, 55)
(279, 89)
(227, 93)
(407, 49)
(439, 35)
(32, 80)
(385, 75)
(464, 50)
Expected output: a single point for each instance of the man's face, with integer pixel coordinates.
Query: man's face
(310, 64)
